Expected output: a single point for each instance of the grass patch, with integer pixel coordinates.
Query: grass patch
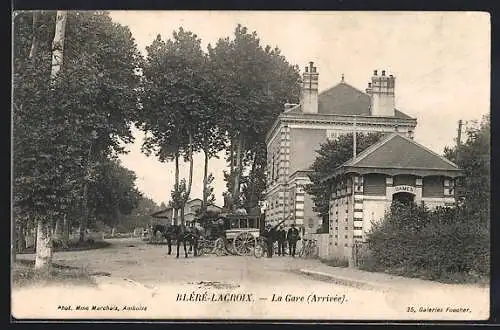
(23, 274)
(74, 246)
(424, 274)
(335, 262)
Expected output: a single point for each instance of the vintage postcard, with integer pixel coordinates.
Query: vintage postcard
(231, 165)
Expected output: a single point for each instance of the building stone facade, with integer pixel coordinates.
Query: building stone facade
(363, 189)
(301, 128)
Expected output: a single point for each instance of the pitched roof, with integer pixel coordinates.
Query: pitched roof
(159, 214)
(397, 151)
(344, 99)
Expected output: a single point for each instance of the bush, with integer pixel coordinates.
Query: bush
(437, 245)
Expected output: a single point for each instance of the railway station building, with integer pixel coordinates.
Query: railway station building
(301, 128)
(363, 188)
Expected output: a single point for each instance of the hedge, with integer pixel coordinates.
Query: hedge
(412, 240)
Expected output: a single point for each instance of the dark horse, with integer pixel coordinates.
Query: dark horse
(181, 235)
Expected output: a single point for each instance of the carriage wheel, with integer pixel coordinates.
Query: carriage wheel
(206, 250)
(229, 247)
(219, 247)
(244, 244)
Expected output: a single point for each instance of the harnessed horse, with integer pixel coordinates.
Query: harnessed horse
(181, 235)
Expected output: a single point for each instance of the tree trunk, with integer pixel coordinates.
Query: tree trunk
(205, 183)
(113, 232)
(58, 43)
(65, 232)
(237, 174)
(43, 261)
(34, 40)
(85, 215)
(58, 229)
(13, 243)
(252, 182)
(176, 209)
(185, 198)
(231, 157)
(182, 216)
(35, 233)
(20, 235)
(27, 233)
(190, 179)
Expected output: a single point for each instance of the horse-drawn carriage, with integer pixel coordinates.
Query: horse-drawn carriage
(233, 234)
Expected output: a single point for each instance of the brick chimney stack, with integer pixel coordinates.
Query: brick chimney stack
(309, 97)
(382, 94)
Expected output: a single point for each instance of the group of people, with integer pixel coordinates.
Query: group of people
(284, 237)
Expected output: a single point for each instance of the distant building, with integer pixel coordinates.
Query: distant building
(300, 130)
(363, 188)
(192, 206)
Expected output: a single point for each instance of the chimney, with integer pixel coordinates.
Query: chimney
(309, 98)
(381, 91)
(369, 89)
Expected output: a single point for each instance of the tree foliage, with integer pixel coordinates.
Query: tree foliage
(178, 103)
(113, 193)
(255, 82)
(140, 217)
(474, 159)
(332, 154)
(55, 129)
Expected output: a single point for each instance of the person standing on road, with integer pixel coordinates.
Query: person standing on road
(292, 237)
(269, 234)
(281, 236)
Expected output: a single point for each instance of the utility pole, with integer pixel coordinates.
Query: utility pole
(457, 159)
(459, 141)
(354, 141)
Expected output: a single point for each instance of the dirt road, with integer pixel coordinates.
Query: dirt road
(151, 284)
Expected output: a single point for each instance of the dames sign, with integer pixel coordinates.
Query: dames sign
(404, 188)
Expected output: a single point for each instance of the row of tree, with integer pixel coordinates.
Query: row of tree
(75, 96)
(224, 99)
(79, 85)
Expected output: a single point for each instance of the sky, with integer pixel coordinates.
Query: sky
(441, 61)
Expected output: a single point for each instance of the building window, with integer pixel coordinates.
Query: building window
(336, 228)
(347, 211)
(345, 244)
(345, 236)
(336, 244)
(336, 236)
(346, 228)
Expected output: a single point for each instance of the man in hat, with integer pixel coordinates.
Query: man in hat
(269, 234)
(292, 237)
(281, 236)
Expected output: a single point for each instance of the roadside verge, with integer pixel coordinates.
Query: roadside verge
(346, 281)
